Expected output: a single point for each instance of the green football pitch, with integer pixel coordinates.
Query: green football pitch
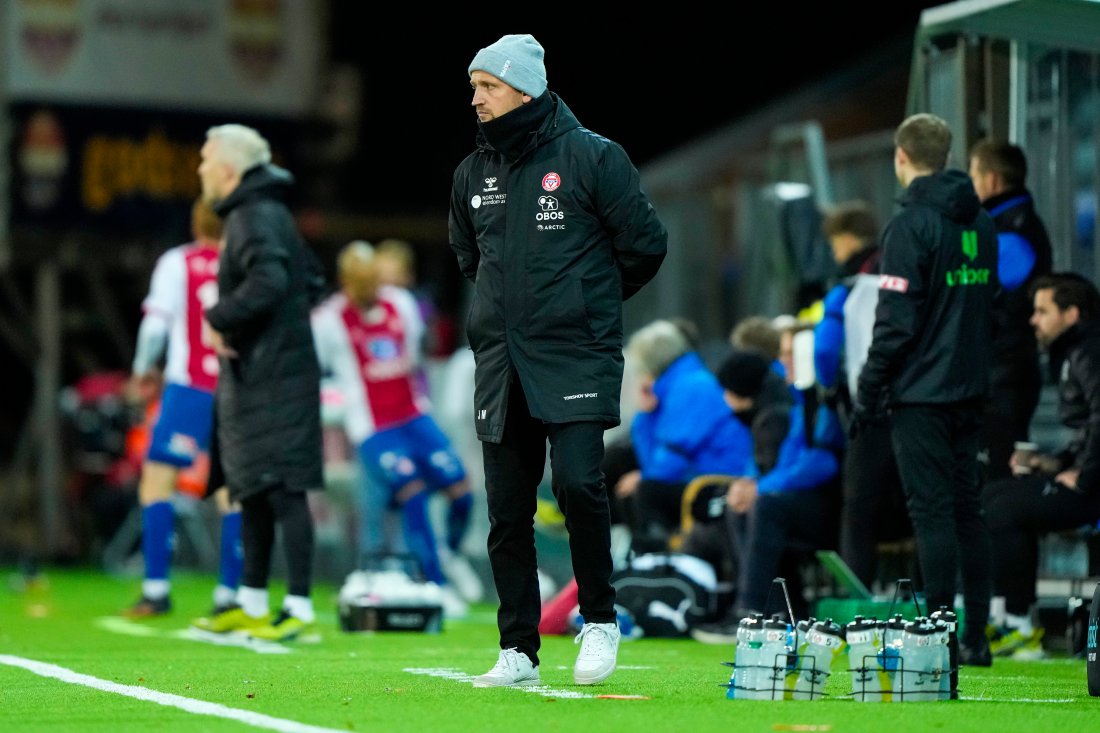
(68, 663)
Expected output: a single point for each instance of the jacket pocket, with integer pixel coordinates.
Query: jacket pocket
(561, 313)
(477, 320)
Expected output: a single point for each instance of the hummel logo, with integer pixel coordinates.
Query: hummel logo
(491, 183)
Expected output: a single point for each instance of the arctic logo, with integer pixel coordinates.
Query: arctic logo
(551, 181)
(490, 184)
(549, 206)
(893, 282)
(581, 396)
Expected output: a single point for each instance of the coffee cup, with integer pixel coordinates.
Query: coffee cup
(1024, 456)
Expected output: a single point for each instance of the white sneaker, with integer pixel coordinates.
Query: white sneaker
(513, 669)
(599, 648)
(462, 575)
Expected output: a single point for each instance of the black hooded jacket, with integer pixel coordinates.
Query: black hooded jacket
(550, 223)
(268, 404)
(933, 324)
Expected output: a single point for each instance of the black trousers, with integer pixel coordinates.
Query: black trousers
(1018, 511)
(874, 502)
(260, 515)
(936, 447)
(776, 524)
(513, 470)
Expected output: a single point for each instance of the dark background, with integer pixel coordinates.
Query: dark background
(650, 78)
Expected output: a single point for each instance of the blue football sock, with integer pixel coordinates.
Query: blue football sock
(458, 519)
(158, 522)
(420, 538)
(232, 559)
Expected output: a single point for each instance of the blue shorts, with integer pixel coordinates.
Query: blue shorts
(417, 449)
(183, 426)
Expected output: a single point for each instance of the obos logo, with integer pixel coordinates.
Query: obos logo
(551, 181)
(549, 206)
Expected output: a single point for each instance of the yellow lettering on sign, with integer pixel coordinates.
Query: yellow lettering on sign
(119, 168)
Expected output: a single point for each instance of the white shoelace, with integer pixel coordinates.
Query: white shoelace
(594, 640)
(508, 661)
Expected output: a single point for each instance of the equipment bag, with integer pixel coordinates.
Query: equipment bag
(1092, 652)
(667, 593)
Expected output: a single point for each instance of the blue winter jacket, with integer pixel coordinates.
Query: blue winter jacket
(692, 431)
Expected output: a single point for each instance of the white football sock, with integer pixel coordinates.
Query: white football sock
(1019, 623)
(253, 601)
(154, 590)
(224, 595)
(300, 607)
(997, 610)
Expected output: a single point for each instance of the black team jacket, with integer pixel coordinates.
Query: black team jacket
(1015, 351)
(549, 222)
(933, 324)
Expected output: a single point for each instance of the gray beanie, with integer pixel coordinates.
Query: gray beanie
(516, 60)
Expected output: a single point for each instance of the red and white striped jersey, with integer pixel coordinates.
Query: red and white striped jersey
(374, 356)
(183, 286)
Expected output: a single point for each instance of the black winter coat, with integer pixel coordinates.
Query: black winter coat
(933, 323)
(555, 232)
(268, 405)
(1075, 361)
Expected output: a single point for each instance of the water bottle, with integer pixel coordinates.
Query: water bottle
(942, 644)
(919, 661)
(863, 648)
(747, 672)
(823, 645)
(773, 656)
(889, 657)
(1092, 648)
(799, 642)
(951, 620)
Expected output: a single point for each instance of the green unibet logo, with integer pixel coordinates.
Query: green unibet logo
(970, 244)
(969, 275)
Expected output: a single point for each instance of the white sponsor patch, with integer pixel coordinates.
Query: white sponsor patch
(893, 282)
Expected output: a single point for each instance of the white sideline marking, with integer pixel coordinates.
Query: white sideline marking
(454, 674)
(186, 704)
(129, 628)
(1015, 699)
(617, 666)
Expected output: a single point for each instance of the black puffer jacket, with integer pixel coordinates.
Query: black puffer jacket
(268, 407)
(933, 323)
(550, 223)
(1075, 363)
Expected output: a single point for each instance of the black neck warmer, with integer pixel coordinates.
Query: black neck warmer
(510, 134)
